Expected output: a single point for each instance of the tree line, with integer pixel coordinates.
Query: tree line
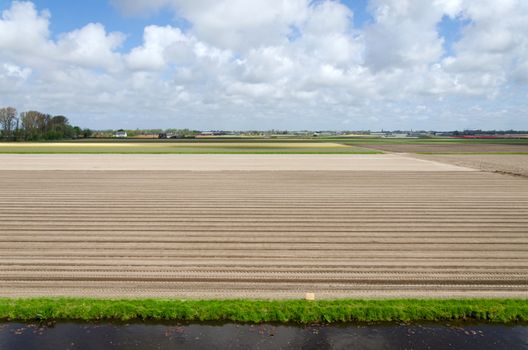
(37, 126)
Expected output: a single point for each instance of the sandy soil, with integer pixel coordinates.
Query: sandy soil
(507, 164)
(221, 162)
(147, 145)
(449, 148)
(262, 234)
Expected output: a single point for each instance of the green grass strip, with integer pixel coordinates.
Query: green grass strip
(193, 152)
(257, 311)
(471, 153)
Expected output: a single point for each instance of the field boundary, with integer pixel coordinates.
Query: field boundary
(258, 311)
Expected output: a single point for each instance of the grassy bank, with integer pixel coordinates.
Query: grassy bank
(299, 311)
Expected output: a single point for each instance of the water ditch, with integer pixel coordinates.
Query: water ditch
(146, 335)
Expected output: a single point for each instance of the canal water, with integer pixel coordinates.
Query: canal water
(100, 336)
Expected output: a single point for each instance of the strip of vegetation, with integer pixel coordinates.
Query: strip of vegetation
(197, 152)
(299, 311)
(34, 126)
(471, 153)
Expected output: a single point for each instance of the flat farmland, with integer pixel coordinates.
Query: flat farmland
(452, 147)
(513, 164)
(403, 227)
(170, 147)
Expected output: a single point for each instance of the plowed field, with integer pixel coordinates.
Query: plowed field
(428, 232)
(451, 148)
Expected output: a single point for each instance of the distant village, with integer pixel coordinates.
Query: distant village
(186, 134)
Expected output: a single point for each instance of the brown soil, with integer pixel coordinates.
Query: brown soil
(504, 163)
(262, 234)
(450, 148)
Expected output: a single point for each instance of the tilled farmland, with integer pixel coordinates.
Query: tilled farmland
(451, 148)
(263, 234)
(512, 164)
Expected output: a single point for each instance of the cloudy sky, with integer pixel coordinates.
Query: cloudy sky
(263, 64)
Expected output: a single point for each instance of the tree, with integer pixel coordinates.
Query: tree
(86, 133)
(59, 128)
(77, 132)
(31, 121)
(8, 119)
(36, 126)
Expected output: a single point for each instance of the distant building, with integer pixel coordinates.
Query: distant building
(207, 133)
(120, 133)
(211, 133)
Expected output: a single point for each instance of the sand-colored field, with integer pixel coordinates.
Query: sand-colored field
(422, 232)
(154, 145)
(221, 162)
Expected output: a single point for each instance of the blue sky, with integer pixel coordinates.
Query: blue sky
(233, 64)
(69, 15)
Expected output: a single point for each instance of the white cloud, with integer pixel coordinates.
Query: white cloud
(14, 71)
(90, 46)
(23, 30)
(25, 37)
(234, 24)
(270, 63)
(161, 45)
(404, 34)
(494, 46)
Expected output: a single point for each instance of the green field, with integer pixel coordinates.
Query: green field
(252, 145)
(255, 311)
(323, 139)
(184, 148)
(432, 140)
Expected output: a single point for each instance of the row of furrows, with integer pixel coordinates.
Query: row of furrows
(220, 187)
(226, 174)
(341, 198)
(269, 220)
(347, 200)
(258, 209)
(370, 254)
(274, 279)
(298, 264)
(261, 247)
(262, 233)
(216, 292)
(270, 211)
(66, 267)
(227, 287)
(378, 276)
(237, 232)
(328, 239)
(241, 235)
(309, 188)
(344, 194)
(264, 226)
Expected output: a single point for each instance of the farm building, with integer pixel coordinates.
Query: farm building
(120, 133)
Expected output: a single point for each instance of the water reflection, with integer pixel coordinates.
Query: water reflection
(233, 336)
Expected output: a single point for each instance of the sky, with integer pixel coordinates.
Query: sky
(269, 64)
